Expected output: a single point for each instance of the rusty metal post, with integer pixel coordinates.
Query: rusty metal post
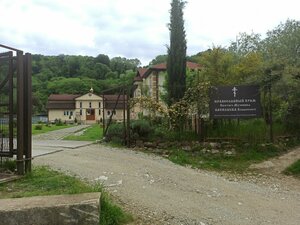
(27, 112)
(20, 114)
(11, 104)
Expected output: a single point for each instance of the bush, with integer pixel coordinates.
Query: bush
(160, 133)
(58, 122)
(142, 128)
(115, 131)
(38, 127)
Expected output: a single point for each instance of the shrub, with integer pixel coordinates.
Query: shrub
(58, 122)
(115, 131)
(142, 128)
(38, 127)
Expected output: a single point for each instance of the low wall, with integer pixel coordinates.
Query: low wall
(81, 209)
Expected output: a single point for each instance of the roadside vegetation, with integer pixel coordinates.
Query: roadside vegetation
(44, 181)
(293, 169)
(231, 146)
(91, 133)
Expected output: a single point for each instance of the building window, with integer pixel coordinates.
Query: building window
(90, 104)
(108, 112)
(99, 111)
(71, 113)
(99, 105)
(80, 104)
(80, 112)
(66, 113)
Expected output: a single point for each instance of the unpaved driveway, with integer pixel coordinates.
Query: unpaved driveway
(160, 192)
(277, 164)
(52, 142)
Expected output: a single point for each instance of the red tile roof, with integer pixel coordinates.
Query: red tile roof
(62, 97)
(163, 67)
(142, 71)
(192, 65)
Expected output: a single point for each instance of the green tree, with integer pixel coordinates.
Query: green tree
(281, 47)
(218, 66)
(176, 65)
(246, 43)
(104, 59)
(159, 59)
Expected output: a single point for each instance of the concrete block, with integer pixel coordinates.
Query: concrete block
(79, 209)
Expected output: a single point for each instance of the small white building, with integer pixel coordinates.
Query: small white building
(88, 108)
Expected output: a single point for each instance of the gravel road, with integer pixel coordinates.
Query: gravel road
(160, 192)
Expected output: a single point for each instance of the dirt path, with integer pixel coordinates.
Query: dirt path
(278, 164)
(160, 192)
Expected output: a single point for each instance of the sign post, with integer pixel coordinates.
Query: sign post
(235, 102)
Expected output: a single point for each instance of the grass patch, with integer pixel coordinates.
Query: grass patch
(43, 181)
(293, 169)
(244, 157)
(91, 133)
(251, 130)
(111, 214)
(43, 128)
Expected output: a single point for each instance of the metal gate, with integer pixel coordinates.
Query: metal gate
(15, 107)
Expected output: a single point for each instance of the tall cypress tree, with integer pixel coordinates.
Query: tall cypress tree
(176, 65)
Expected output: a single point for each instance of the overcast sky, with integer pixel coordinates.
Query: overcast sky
(132, 28)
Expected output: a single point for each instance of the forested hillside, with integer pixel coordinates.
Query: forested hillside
(77, 74)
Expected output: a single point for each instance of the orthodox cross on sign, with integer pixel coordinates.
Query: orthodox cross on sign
(234, 90)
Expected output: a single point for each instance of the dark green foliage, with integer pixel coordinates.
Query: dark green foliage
(115, 132)
(104, 59)
(176, 65)
(142, 128)
(38, 127)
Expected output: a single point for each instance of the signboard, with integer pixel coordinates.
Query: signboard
(232, 102)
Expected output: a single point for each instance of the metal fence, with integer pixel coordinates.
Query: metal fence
(15, 107)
